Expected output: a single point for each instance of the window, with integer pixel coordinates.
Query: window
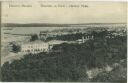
(28, 50)
(38, 49)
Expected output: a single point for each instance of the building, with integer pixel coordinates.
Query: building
(84, 39)
(35, 47)
(38, 46)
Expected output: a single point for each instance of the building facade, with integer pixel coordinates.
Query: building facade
(35, 47)
(38, 46)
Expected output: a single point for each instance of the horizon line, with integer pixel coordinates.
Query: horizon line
(69, 23)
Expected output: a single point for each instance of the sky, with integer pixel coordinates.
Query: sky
(96, 12)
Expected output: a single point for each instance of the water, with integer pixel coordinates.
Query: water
(27, 30)
(31, 30)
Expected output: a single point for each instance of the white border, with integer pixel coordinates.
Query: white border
(78, 1)
(68, 0)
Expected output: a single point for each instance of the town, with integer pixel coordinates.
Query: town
(94, 49)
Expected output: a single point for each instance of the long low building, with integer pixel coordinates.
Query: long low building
(38, 46)
(34, 47)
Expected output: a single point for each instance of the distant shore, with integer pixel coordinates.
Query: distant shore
(53, 25)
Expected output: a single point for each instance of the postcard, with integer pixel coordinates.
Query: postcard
(63, 41)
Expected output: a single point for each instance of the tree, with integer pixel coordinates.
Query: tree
(16, 48)
(34, 37)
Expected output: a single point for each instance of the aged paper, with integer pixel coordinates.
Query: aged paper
(59, 41)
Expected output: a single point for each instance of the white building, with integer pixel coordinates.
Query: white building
(35, 47)
(38, 46)
(84, 39)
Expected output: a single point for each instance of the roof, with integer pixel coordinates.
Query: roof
(42, 42)
(56, 42)
(34, 42)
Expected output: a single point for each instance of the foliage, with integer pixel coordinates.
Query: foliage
(16, 48)
(70, 63)
(118, 74)
(66, 37)
(34, 37)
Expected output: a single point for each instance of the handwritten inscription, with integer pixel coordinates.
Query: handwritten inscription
(50, 5)
(64, 6)
(21, 5)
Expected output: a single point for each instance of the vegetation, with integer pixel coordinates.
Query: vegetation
(68, 37)
(16, 48)
(118, 74)
(71, 62)
(34, 37)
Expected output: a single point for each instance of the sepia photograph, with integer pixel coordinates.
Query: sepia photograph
(64, 41)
